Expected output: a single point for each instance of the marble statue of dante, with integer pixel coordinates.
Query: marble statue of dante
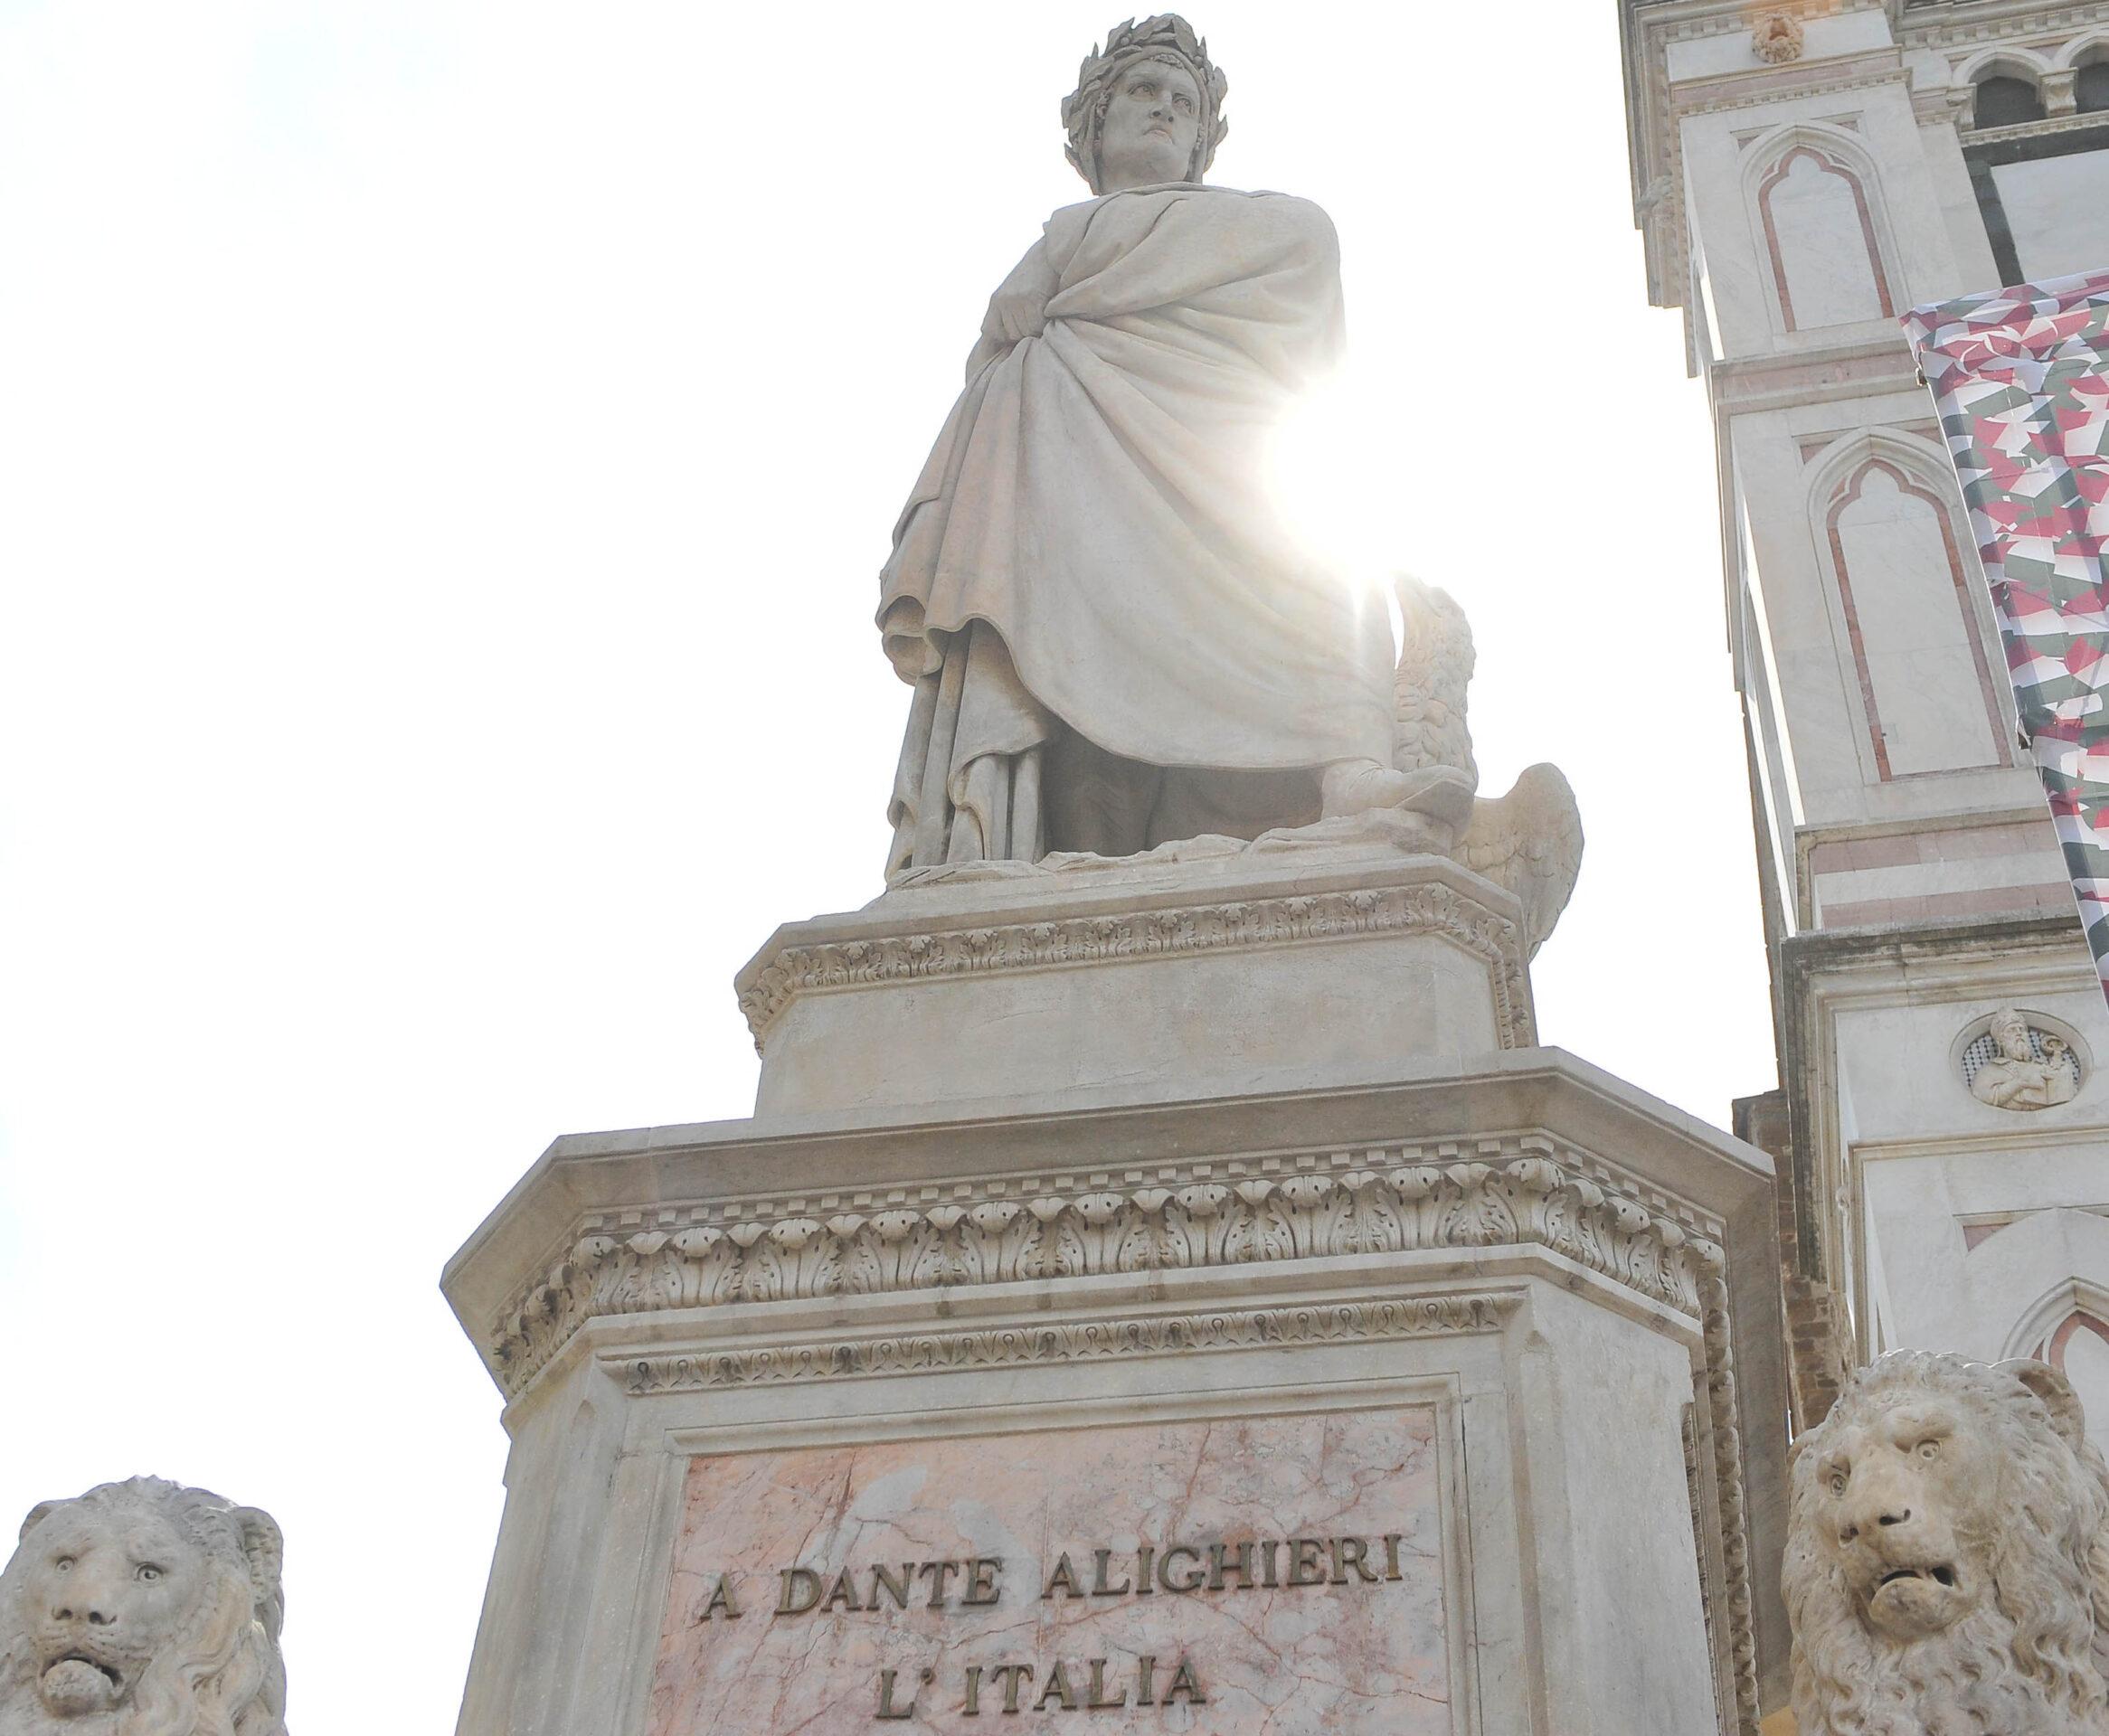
(1113, 642)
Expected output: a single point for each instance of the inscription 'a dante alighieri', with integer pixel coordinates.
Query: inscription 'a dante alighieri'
(1087, 1685)
(1296, 1561)
(976, 1582)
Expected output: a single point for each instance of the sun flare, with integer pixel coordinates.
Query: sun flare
(1334, 479)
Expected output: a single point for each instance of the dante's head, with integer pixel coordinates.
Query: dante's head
(1147, 108)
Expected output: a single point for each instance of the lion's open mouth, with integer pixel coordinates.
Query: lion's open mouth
(1942, 1574)
(1911, 1602)
(76, 1682)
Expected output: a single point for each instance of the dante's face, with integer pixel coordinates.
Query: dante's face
(1151, 122)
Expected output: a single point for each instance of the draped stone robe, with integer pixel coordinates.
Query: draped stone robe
(1113, 639)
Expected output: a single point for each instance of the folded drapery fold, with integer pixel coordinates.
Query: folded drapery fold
(1093, 545)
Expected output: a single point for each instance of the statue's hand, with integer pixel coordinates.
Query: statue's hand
(1018, 308)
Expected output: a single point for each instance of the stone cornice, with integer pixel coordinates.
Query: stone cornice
(1777, 84)
(1744, 384)
(780, 975)
(1695, 19)
(1218, 1212)
(1994, 21)
(1807, 836)
(1719, 97)
(1512, 1103)
(2091, 120)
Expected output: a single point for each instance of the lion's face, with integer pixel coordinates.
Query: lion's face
(1903, 1495)
(103, 1591)
(143, 1608)
(1947, 1561)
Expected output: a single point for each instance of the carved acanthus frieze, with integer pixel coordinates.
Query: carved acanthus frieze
(1247, 924)
(1718, 1382)
(1220, 1214)
(1073, 1341)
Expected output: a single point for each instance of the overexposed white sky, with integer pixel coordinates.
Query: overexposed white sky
(446, 455)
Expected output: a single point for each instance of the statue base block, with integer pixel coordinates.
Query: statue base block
(1291, 1349)
(1192, 975)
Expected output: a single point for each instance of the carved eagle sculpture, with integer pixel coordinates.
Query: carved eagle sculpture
(1530, 841)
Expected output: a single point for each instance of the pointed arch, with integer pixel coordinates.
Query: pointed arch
(2085, 61)
(2005, 61)
(2068, 1326)
(2082, 51)
(1914, 631)
(1815, 206)
(2048, 1325)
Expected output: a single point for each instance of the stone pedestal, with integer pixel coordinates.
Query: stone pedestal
(1184, 1296)
(1221, 973)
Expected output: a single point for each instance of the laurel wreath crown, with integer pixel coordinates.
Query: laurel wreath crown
(1165, 37)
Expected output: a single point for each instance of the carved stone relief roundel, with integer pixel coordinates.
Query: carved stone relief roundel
(2010, 1059)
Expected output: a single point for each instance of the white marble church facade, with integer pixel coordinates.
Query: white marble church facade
(1802, 175)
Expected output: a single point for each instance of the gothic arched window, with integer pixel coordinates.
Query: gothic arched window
(1819, 237)
(1918, 649)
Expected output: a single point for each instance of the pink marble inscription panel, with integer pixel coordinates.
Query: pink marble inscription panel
(1276, 1574)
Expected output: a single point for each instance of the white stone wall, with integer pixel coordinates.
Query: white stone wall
(1794, 208)
(1975, 1229)
(2058, 210)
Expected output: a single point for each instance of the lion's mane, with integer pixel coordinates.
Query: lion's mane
(2031, 1657)
(220, 1674)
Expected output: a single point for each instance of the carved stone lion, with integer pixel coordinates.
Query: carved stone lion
(143, 1608)
(1947, 1564)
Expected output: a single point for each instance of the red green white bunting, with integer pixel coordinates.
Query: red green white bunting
(2021, 377)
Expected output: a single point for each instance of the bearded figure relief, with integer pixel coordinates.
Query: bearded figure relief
(1947, 1564)
(143, 1608)
(2018, 1075)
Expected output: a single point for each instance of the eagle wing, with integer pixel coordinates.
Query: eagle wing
(1528, 841)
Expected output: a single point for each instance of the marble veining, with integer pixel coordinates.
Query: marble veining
(1367, 1653)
